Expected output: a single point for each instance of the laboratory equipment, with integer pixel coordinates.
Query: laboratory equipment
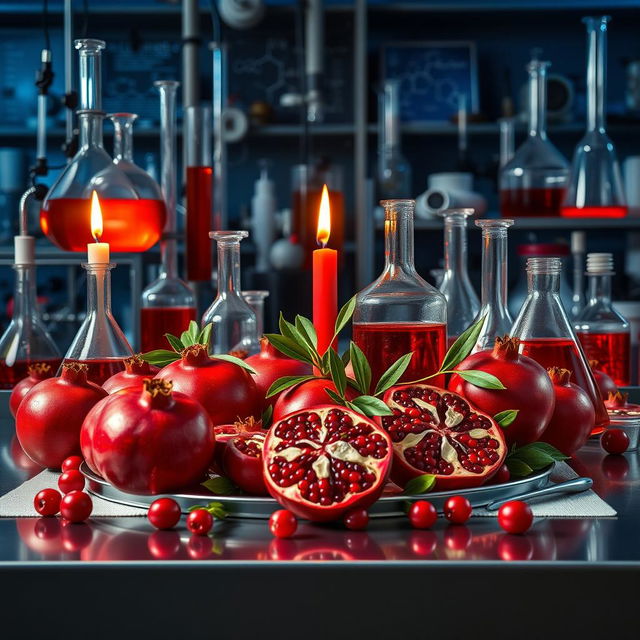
(449, 190)
(255, 299)
(578, 247)
(263, 211)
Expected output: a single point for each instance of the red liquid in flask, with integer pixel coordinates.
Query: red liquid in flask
(612, 351)
(594, 212)
(384, 342)
(562, 352)
(10, 376)
(520, 203)
(129, 225)
(101, 369)
(156, 321)
(199, 205)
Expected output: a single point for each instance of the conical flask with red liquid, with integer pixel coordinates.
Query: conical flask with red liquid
(400, 312)
(546, 334)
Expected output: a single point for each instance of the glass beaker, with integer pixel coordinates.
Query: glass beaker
(132, 221)
(462, 301)
(400, 312)
(255, 299)
(533, 182)
(546, 335)
(493, 306)
(605, 335)
(167, 304)
(234, 321)
(595, 186)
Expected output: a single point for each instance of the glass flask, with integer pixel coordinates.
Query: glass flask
(400, 312)
(595, 186)
(533, 182)
(167, 304)
(255, 299)
(578, 245)
(462, 302)
(603, 332)
(493, 306)
(546, 335)
(133, 221)
(234, 321)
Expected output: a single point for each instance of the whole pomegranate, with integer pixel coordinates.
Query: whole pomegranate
(135, 371)
(155, 441)
(225, 390)
(270, 365)
(573, 416)
(325, 462)
(438, 432)
(528, 389)
(49, 418)
(603, 380)
(38, 372)
(618, 405)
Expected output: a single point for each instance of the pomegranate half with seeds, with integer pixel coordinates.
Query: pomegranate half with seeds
(322, 463)
(242, 462)
(438, 432)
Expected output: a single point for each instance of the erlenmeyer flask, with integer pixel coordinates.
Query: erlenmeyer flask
(546, 335)
(462, 301)
(255, 299)
(132, 221)
(595, 186)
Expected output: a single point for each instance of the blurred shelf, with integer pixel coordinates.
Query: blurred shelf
(533, 224)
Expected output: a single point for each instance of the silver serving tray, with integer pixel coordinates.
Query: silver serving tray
(388, 506)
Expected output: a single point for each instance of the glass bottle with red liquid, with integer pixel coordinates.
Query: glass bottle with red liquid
(400, 312)
(546, 334)
(604, 334)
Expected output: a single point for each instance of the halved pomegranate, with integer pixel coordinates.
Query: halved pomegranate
(438, 432)
(618, 405)
(242, 462)
(325, 462)
(224, 433)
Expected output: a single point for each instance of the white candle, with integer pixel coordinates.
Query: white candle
(97, 252)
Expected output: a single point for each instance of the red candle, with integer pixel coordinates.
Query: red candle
(325, 279)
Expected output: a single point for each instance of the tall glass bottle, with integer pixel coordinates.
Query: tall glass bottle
(533, 182)
(493, 307)
(547, 336)
(255, 299)
(595, 188)
(578, 246)
(605, 335)
(462, 301)
(399, 312)
(167, 304)
(234, 322)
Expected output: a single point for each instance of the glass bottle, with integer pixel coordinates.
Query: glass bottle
(578, 245)
(533, 182)
(546, 335)
(595, 187)
(132, 221)
(234, 321)
(167, 304)
(462, 301)
(400, 312)
(255, 299)
(493, 307)
(605, 335)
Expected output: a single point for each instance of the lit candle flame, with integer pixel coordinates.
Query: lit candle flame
(324, 218)
(96, 217)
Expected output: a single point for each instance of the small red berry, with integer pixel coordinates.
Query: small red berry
(515, 516)
(283, 523)
(71, 480)
(76, 506)
(614, 441)
(356, 520)
(47, 502)
(164, 513)
(199, 522)
(72, 462)
(457, 509)
(422, 514)
(503, 475)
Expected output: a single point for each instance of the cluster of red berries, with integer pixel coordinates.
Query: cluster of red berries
(164, 513)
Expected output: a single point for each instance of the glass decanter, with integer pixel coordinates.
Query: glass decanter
(168, 303)
(462, 301)
(132, 221)
(546, 334)
(595, 187)
(533, 182)
(400, 312)
(255, 299)
(234, 321)
(605, 335)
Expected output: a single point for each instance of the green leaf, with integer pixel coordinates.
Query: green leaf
(160, 357)
(462, 347)
(187, 339)
(221, 486)
(344, 315)
(205, 334)
(480, 379)
(335, 397)
(285, 382)
(285, 327)
(346, 357)
(371, 406)
(420, 484)
(194, 331)
(543, 448)
(393, 373)
(307, 331)
(266, 417)
(336, 368)
(237, 361)
(361, 368)
(518, 468)
(505, 418)
(289, 347)
(216, 509)
(175, 342)
(533, 456)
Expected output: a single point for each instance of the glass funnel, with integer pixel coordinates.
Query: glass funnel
(255, 299)
(546, 335)
(167, 304)
(462, 302)
(595, 187)
(133, 221)
(234, 321)
(400, 312)
(533, 182)
(605, 335)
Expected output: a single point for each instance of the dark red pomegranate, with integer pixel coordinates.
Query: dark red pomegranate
(224, 389)
(242, 462)
(603, 380)
(573, 416)
(135, 371)
(270, 365)
(154, 441)
(438, 432)
(322, 463)
(224, 433)
(38, 372)
(49, 418)
(618, 405)
(528, 389)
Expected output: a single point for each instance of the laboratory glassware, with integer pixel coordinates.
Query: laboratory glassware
(255, 299)
(578, 245)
